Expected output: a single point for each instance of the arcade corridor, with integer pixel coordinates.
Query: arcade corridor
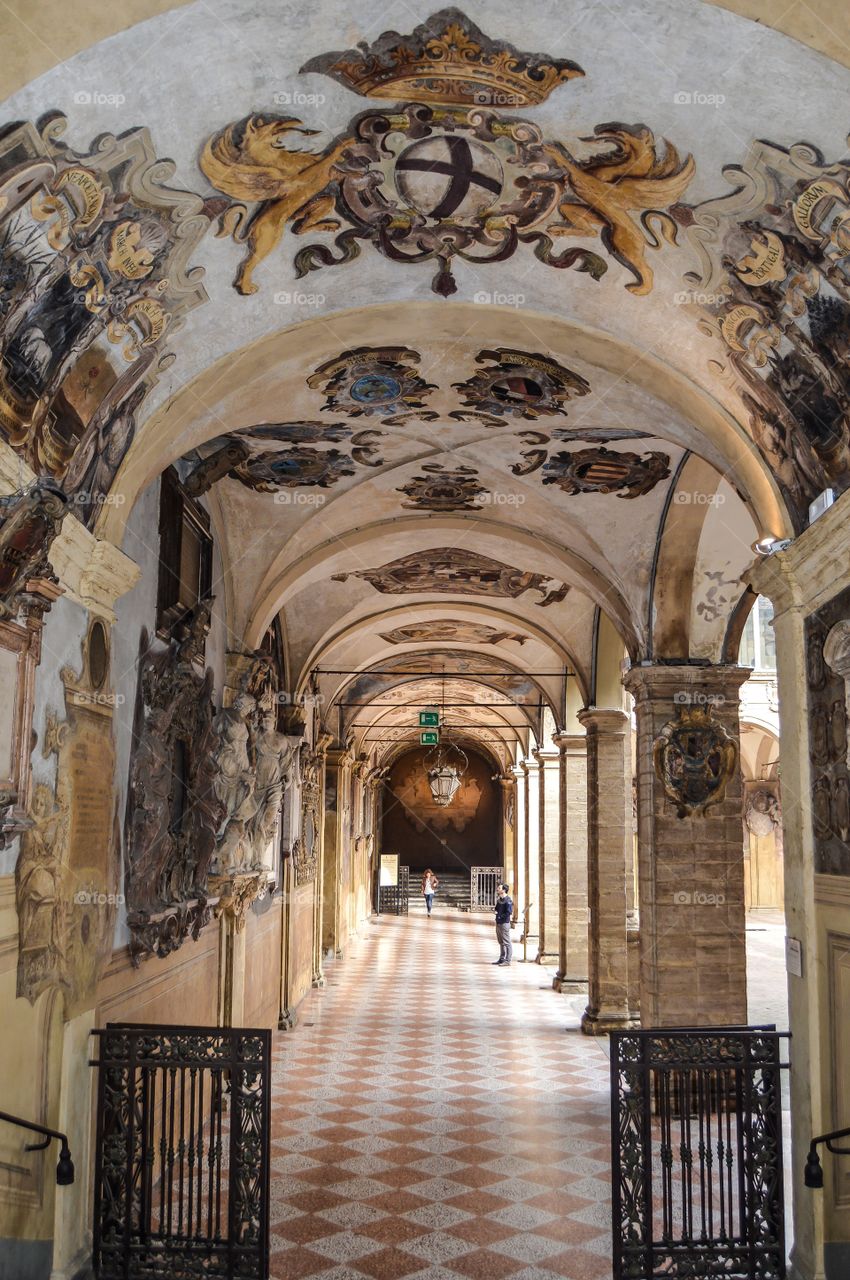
(434, 1120)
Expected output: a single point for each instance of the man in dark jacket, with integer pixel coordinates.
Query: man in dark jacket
(504, 914)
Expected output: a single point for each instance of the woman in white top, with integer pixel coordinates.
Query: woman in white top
(429, 888)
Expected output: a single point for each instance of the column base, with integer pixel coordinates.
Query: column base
(287, 1020)
(599, 1024)
(569, 986)
(338, 953)
(319, 981)
(546, 957)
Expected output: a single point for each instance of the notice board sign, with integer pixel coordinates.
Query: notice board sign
(389, 869)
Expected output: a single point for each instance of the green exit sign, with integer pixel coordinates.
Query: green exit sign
(429, 718)
(430, 738)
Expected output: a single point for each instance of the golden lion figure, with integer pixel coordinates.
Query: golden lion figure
(250, 162)
(630, 177)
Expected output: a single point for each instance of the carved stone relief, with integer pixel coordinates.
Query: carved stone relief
(67, 873)
(694, 759)
(763, 812)
(827, 670)
(174, 809)
(305, 848)
(30, 521)
(234, 783)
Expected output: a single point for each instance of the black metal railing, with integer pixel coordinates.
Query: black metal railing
(183, 1153)
(697, 1154)
(484, 882)
(813, 1173)
(64, 1165)
(395, 898)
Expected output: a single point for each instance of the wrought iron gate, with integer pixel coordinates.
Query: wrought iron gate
(697, 1154)
(482, 889)
(183, 1152)
(395, 898)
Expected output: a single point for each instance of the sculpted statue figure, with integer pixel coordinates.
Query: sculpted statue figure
(38, 894)
(235, 781)
(275, 754)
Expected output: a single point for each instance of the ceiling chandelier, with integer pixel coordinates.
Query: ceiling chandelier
(445, 772)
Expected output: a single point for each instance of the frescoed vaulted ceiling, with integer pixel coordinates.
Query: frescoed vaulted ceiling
(467, 327)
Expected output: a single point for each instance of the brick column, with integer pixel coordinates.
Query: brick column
(548, 858)
(690, 858)
(609, 864)
(572, 860)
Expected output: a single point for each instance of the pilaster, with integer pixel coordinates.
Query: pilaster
(571, 976)
(609, 847)
(549, 853)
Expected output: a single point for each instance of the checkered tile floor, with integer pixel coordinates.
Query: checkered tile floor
(434, 1119)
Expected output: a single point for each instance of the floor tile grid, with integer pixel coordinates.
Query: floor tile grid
(435, 1116)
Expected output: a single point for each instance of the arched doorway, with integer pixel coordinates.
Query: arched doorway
(449, 840)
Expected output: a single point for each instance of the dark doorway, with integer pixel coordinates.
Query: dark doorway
(449, 840)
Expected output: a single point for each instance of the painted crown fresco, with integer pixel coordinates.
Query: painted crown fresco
(96, 276)
(446, 175)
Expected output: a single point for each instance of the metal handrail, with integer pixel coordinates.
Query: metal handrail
(813, 1173)
(64, 1165)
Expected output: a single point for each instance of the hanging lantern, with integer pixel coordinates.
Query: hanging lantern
(444, 783)
(444, 776)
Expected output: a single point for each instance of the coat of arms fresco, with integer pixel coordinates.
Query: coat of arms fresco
(95, 279)
(773, 287)
(446, 175)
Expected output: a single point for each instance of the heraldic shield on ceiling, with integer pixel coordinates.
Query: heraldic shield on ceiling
(446, 174)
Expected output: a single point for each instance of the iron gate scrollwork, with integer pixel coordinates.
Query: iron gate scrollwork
(697, 1154)
(482, 887)
(183, 1153)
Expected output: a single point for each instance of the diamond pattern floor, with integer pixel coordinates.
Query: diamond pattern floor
(434, 1119)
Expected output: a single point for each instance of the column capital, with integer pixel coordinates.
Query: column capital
(543, 757)
(683, 682)
(604, 720)
(566, 742)
(805, 573)
(504, 780)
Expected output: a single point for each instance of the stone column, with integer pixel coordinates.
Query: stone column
(549, 854)
(571, 976)
(507, 785)
(690, 853)
(322, 745)
(797, 582)
(520, 894)
(331, 851)
(609, 850)
(532, 818)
